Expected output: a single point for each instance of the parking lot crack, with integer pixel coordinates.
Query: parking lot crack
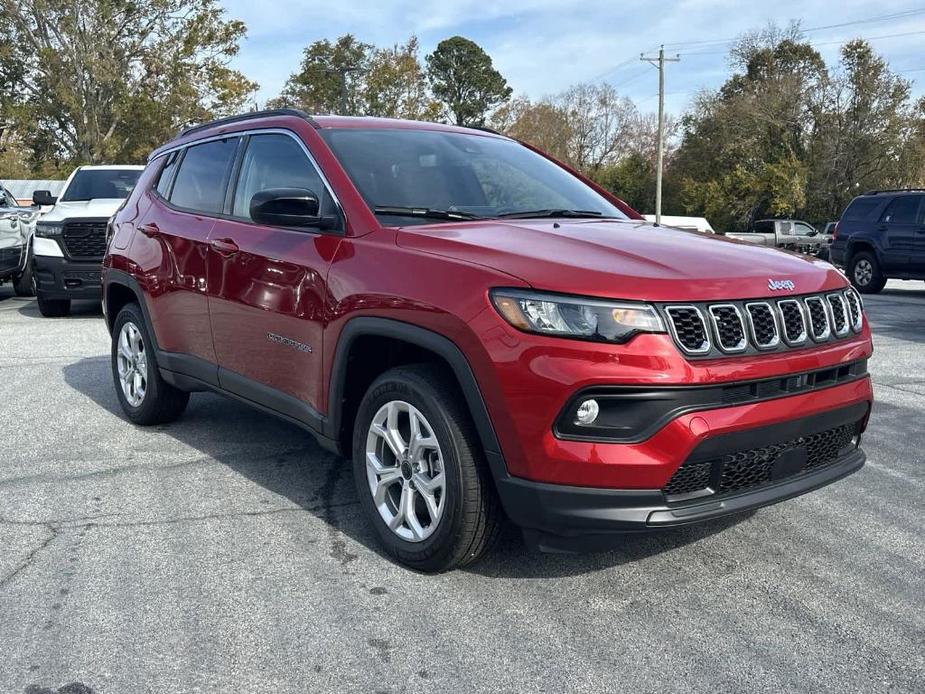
(31, 557)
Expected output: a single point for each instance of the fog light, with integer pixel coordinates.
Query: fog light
(587, 412)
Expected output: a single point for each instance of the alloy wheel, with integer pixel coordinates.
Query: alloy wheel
(132, 364)
(405, 471)
(863, 272)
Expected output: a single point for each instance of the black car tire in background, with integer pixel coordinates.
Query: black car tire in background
(865, 274)
(24, 284)
(54, 308)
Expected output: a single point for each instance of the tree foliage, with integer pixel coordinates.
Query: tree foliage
(89, 81)
(463, 78)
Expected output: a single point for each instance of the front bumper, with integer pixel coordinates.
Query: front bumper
(569, 518)
(60, 278)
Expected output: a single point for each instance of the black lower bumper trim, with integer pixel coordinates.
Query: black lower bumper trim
(60, 278)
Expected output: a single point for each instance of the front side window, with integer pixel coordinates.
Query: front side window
(275, 161)
(97, 184)
(475, 175)
(200, 181)
(903, 210)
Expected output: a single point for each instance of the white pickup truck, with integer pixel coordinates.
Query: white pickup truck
(788, 234)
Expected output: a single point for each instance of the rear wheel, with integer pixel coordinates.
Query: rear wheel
(865, 273)
(54, 308)
(145, 397)
(420, 473)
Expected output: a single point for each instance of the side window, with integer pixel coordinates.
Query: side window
(903, 210)
(764, 227)
(786, 229)
(275, 161)
(804, 229)
(200, 181)
(860, 209)
(166, 175)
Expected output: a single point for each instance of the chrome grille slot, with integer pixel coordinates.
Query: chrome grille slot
(763, 325)
(729, 327)
(689, 329)
(854, 310)
(839, 314)
(793, 320)
(818, 319)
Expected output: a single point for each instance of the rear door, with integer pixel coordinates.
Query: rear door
(268, 284)
(900, 225)
(172, 250)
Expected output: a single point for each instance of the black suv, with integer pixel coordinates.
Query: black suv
(881, 235)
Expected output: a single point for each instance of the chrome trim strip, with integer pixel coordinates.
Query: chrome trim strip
(751, 324)
(827, 333)
(706, 346)
(844, 312)
(851, 296)
(783, 322)
(743, 343)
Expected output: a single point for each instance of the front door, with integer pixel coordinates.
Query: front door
(268, 284)
(900, 225)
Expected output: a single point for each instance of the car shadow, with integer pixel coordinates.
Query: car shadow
(295, 467)
(79, 309)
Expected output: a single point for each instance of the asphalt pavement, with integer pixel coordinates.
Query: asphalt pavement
(226, 553)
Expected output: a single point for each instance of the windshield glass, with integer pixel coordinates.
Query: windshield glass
(92, 184)
(472, 174)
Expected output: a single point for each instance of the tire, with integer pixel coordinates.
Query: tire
(865, 274)
(468, 516)
(24, 285)
(150, 399)
(54, 308)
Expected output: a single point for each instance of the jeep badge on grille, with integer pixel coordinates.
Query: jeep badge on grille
(774, 285)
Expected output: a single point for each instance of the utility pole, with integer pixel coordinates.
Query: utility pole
(659, 63)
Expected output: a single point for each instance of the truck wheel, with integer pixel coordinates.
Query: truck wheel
(24, 285)
(420, 473)
(54, 308)
(865, 274)
(146, 398)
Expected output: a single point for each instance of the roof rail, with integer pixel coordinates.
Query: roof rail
(895, 190)
(485, 129)
(248, 116)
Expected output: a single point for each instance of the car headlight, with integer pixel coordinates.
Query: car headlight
(49, 230)
(576, 317)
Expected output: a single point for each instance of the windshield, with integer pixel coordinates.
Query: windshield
(474, 175)
(92, 184)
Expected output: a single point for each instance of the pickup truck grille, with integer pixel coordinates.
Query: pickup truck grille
(733, 327)
(85, 239)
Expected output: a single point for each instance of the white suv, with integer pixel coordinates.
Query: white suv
(70, 240)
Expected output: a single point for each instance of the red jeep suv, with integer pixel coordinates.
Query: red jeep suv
(483, 331)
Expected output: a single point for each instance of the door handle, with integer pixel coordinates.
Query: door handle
(224, 247)
(152, 231)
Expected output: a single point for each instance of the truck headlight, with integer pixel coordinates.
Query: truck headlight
(576, 317)
(49, 230)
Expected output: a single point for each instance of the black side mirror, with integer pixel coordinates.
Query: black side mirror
(288, 207)
(813, 233)
(43, 198)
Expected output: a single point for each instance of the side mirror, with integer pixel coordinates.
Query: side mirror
(288, 207)
(43, 198)
(814, 232)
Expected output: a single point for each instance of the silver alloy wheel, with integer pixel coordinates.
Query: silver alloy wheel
(132, 364)
(404, 468)
(863, 272)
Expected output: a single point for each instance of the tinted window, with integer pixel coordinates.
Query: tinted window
(274, 161)
(764, 227)
(903, 210)
(95, 184)
(860, 209)
(804, 229)
(486, 176)
(200, 181)
(163, 182)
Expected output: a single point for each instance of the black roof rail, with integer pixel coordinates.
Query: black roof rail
(895, 190)
(485, 129)
(248, 116)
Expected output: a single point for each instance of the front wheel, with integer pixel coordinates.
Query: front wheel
(54, 308)
(865, 274)
(145, 397)
(420, 473)
(24, 285)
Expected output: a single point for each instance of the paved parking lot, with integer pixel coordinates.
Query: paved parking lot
(226, 553)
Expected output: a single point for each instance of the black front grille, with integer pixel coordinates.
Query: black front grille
(85, 240)
(838, 313)
(689, 328)
(730, 333)
(818, 318)
(794, 325)
(854, 308)
(764, 327)
(747, 469)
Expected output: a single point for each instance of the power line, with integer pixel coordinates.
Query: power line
(826, 43)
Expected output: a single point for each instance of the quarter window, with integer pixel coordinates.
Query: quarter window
(275, 161)
(200, 181)
(163, 181)
(903, 210)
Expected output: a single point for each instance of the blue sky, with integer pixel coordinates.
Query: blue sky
(543, 46)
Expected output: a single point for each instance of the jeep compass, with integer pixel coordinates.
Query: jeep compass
(481, 331)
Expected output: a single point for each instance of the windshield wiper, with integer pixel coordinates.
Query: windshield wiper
(551, 213)
(424, 212)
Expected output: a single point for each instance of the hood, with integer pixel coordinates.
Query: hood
(624, 259)
(101, 207)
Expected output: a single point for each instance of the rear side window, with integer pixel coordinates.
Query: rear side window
(861, 209)
(764, 227)
(903, 210)
(274, 161)
(166, 176)
(200, 180)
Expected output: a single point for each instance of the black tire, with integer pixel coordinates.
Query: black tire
(471, 517)
(54, 308)
(24, 284)
(869, 278)
(161, 402)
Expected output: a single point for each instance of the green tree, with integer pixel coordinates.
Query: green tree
(108, 80)
(396, 86)
(463, 78)
(331, 77)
